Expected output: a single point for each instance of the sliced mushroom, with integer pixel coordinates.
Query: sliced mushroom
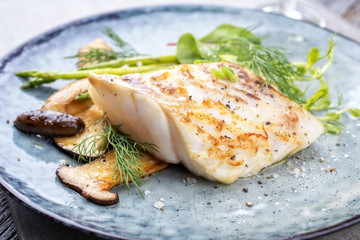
(94, 180)
(64, 99)
(49, 123)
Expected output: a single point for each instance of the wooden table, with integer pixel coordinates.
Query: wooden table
(30, 225)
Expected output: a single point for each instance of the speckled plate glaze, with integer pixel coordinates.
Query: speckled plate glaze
(297, 198)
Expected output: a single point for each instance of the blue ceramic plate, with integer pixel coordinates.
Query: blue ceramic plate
(296, 198)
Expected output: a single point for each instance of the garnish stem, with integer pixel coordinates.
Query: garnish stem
(134, 61)
(48, 77)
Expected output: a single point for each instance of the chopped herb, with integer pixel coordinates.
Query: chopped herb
(218, 73)
(83, 96)
(229, 73)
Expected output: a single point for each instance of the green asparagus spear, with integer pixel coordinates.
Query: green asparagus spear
(134, 61)
(40, 78)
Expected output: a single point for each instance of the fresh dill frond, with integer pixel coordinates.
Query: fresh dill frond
(97, 55)
(268, 62)
(125, 49)
(128, 153)
(271, 64)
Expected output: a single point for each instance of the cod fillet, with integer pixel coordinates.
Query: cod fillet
(216, 128)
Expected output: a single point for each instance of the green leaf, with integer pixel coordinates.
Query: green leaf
(226, 31)
(322, 105)
(354, 112)
(320, 94)
(313, 56)
(187, 50)
(332, 128)
(333, 116)
(207, 51)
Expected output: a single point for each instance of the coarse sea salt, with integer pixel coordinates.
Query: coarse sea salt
(159, 205)
(190, 180)
(295, 172)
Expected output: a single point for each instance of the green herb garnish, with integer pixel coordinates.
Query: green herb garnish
(218, 73)
(320, 100)
(127, 152)
(95, 55)
(224, 73)
(241, 46)
(83, 96)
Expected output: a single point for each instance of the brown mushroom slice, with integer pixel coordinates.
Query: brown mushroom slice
(49, 123)
(94, 180)
(64, 99)
(92, 119)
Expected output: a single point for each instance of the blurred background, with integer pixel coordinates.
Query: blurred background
(23, 19)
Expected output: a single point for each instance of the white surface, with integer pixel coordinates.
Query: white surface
(21, 20)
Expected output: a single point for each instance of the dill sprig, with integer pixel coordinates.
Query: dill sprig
(272, 64)
(96, 55)
(128, 167)
(125, 49)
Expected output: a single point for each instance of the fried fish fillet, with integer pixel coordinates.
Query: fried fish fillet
(218, 129)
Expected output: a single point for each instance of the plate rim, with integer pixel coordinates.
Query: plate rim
(53, 32)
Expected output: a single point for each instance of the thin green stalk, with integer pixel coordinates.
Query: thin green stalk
(134, 61)
(48, 77)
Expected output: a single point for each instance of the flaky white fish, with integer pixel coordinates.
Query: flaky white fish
(218, 129)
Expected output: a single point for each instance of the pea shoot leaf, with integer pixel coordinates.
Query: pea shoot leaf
(225, 32)
(187, 50)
